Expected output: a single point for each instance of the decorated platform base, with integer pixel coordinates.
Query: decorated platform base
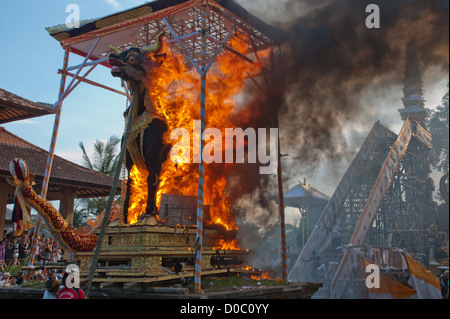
(148, 254)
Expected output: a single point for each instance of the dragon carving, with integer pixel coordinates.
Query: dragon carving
(69, 238)
(145, 149)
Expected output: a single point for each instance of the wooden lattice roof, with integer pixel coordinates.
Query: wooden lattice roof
(139, 27)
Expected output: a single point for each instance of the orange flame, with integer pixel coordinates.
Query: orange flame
(138, 196)
(175, 92)
(263, 276)
(228, 245)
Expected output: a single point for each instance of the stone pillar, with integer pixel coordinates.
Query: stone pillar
(67, 203)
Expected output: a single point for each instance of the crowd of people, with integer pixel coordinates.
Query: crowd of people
(14, 253)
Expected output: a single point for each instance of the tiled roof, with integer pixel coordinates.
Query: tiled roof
(14, 107)
(64, 175)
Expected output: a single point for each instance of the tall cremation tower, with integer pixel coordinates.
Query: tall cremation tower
(413, 100)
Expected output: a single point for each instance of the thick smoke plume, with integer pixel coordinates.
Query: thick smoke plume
(338, 78)
(332, 65)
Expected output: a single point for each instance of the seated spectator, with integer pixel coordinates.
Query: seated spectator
(15, 262)
(52, 287)
(12, 281)
(41, 276)
(6, 280)
(37, 276)
(45, 274)
(19, 278)
(33, 275)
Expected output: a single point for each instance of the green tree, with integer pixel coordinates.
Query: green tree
(103, 160)
(105, 156)
(438, 125)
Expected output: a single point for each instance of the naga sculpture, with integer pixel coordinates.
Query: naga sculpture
(69, 238)
(145, 146)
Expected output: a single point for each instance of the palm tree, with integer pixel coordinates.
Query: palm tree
(104, 160)
(105, 156)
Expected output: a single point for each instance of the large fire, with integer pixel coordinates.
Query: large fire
(175, 92)
(138, 196)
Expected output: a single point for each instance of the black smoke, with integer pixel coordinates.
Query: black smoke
(332, 63)
(337, 78)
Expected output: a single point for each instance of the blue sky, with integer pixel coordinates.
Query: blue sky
(30, 61)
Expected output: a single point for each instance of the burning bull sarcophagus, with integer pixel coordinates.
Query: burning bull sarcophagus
(184, 65)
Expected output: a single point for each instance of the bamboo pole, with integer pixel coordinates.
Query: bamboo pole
(48, 167)
(201, 176)
(111, 197)
(275, 89)
(282, 216)
(303, 230)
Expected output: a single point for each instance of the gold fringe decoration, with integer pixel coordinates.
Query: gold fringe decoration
(122, 17)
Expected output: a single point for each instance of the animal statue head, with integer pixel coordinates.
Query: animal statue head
(19, 170)
(135, 64)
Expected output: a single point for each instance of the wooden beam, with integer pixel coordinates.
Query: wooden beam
(92, 82)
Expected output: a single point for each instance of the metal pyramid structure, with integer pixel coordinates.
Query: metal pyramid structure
(380, 201)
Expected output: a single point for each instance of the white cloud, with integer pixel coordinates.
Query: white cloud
(28, 121)
(115, 4)
(74, 157)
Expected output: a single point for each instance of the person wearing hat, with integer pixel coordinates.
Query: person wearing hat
(52, 287)
(6, 280)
